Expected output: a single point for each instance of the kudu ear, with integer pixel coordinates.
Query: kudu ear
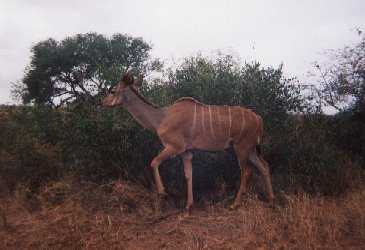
(138, 81)
(127, 78)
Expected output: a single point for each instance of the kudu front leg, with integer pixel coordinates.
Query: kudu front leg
(188, 171)
(156, 162)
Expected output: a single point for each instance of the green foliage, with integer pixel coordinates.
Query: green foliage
(81, 67)
(304, 151)
(342, 86)
(342, 79)
(308, 159)
(226, 82)
(27, 154)
(102, 144)
(349, 134)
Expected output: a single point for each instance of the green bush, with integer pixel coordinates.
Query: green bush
(40, 144)
(26, 152)
(308, 159)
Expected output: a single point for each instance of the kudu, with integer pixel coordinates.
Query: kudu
(187, 125)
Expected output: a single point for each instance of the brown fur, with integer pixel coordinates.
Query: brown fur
(189, 124)
(142, 98)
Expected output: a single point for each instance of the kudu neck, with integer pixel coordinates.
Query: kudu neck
(146, 114)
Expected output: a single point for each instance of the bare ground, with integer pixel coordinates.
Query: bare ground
(120, 215)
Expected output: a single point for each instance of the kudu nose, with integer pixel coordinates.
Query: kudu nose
(99, 105)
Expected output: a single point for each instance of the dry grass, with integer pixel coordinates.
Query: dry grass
(126, 216)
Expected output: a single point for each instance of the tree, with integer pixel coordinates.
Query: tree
(342, 83)
(81, 67)
(342, 86)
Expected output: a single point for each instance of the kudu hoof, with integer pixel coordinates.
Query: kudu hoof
(233, 207)
(162, 195)
(188, 210)
(271, 204)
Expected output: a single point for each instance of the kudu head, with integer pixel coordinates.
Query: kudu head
(120, 93)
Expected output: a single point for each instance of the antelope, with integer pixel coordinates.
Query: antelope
(189, 124)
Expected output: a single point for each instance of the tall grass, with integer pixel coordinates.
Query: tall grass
(122, 214)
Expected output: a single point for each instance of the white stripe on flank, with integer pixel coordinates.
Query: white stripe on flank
(202, 119)
(230, 121)
(219, 120)
(211, 121)
(194, 120)
(243, 122)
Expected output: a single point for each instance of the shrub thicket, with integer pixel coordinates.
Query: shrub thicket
(40, 143)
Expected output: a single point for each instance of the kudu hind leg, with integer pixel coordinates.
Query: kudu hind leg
(246, 172)
(263, 167)
(188, 171)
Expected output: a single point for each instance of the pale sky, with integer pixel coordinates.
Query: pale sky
(291, 32)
